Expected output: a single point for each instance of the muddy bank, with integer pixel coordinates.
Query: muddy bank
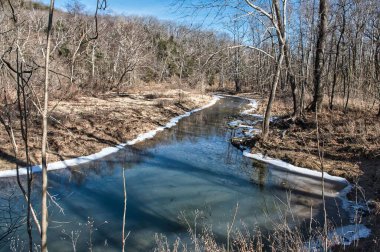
(86, 125)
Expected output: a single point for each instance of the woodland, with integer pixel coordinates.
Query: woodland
(314, 63)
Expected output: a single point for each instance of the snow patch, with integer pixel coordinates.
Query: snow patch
(350, 233)
(261, 117)
(106, 151)
(344, 235)
(236, 123)
(289, 167)
(253, 104)
(252, 132)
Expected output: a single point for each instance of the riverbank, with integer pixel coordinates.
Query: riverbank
(86, 125)
(350, 147)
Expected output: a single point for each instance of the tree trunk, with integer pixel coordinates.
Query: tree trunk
(272, 94)
(377, 70)
(336, 59)
(237, 71)
(293, 85)
(290, 78)
(237, 85)
(348, 93)
(316, 104)
(44, 211)
(221, 78)
(93, 62)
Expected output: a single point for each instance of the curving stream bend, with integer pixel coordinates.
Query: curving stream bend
(188, 171)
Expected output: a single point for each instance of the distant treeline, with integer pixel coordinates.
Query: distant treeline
(136, 51)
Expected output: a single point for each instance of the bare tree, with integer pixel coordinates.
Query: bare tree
(278, 20)
(44, 210)
(342, 29)
(20, 106)
(316, 104)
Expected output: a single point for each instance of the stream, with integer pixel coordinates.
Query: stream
(186, 174)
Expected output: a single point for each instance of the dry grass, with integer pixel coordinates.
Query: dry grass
(283, 237)
(350, 142)
(349, 139)
(85, 125)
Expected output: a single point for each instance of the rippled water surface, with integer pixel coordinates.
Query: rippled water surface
(188, 170)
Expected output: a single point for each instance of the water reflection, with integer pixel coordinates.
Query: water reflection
(189, 167)
(260, 174)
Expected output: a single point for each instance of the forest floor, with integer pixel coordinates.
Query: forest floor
(350, 147)
(85, 125)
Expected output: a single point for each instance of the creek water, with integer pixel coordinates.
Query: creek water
(186, 174)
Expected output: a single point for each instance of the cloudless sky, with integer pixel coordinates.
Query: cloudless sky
(162, 9)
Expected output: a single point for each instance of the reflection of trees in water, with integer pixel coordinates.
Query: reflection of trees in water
(292, 196)
(233, 155)
(12, 216)
(229, 157)
(125, 158)
(261, 175)
(257, 172)
(207, 123)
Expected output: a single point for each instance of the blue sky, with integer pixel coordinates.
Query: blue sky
(162, 9)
